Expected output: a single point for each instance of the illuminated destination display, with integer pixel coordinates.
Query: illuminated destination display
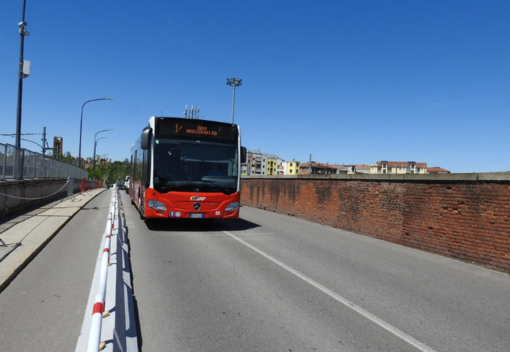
(193, 128)
(202, 130)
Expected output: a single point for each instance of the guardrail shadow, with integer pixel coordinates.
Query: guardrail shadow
(199, 225)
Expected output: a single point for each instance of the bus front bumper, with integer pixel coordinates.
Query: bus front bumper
(156, 209)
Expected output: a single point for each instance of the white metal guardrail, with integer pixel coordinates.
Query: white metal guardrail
(112, 329)
(98, 311)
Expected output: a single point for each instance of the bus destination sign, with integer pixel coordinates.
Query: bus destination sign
(201, 130)
(196, 129)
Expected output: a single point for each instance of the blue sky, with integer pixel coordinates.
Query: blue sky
(350, 82)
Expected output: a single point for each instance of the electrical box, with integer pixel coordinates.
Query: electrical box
(26, 68)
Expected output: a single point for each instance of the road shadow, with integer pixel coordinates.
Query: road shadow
(199, 225)
(93, 208)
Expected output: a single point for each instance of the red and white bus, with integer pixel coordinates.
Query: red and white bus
(187, 168)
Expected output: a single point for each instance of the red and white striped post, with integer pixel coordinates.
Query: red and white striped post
(98, 310)
(94, 343)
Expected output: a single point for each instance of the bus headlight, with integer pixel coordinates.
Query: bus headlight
(154, 204)
(232, 206)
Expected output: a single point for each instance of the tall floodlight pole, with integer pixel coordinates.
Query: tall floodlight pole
(81, 123)
(234, 82)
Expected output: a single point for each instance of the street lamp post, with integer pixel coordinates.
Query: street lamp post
(234, 82)
(94, 159)
(23, 32)
(81, 123)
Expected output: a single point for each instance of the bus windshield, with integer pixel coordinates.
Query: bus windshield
(186, 165)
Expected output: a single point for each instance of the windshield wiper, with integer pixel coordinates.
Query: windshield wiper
(174, 187)
(223, 189)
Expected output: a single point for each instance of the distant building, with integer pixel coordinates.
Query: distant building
(358, 169)
(437, 170)
(314, 168)
(58, 146)
(253, 163)
(274, 166)
(398, 167)
(291, 167)
(258, 163)
(339, 169)
(310, 168)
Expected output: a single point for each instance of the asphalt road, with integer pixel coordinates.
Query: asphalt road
(266, 282)
(269, 282)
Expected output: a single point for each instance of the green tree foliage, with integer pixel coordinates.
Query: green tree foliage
(67, 157)
(110, 171)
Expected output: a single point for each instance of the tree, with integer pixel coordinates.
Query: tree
(67, 157)
(110, 172)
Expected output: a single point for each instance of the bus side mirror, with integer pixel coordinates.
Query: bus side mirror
(243, 155)
(146, 138)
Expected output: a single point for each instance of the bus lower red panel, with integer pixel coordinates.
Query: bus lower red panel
(186, 205)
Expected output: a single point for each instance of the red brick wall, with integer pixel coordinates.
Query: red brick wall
(460, 217)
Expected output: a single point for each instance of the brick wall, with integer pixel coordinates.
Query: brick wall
(463, 216)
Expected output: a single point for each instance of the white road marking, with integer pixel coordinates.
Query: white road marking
(402, 335)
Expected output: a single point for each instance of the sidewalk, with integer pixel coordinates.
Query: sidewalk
(26, 235)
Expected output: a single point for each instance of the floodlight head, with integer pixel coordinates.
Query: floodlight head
(234, 82)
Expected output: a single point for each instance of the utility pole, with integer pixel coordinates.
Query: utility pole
(44, 141)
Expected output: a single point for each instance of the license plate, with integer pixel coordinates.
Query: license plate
(196, 215)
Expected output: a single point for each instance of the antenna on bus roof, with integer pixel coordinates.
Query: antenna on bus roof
(192, 112)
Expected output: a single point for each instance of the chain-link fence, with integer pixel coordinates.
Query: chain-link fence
(24, 164)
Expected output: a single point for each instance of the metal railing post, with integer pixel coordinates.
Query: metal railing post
(4, 168)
